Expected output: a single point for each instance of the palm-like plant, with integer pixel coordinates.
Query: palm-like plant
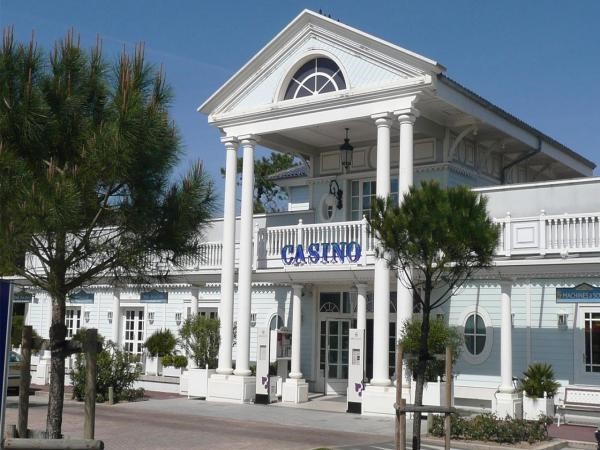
(539, 378)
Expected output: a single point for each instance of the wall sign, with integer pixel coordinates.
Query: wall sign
(324, 253)
(582, 293)
(22, 297)
(82, 297)
(154, 296)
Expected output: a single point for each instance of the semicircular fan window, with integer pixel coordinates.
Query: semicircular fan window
(317, 76)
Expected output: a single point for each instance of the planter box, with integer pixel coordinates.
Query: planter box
(171, 371)
(434, 393)
(197, 382)
(153, 366)
(533, 408)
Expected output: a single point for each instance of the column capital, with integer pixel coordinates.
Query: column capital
(247, 140)
(408, 115)
(230, 143)
(297, 287)
(362, 288)
(383, 119)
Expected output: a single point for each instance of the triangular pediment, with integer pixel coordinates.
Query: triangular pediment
(366, 61)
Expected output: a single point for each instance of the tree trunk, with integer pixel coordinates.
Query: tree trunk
(58, 333)
(420, 375)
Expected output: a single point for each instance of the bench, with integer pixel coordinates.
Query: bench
(578, 398)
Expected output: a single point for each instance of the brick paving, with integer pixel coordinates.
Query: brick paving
(145, 425)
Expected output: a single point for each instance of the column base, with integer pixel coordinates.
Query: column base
(378, 400)
(294, 390)
(509, 404)
(231, 388)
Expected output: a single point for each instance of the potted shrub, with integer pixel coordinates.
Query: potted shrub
(160, 343)
(440, 336)
(200, 341)
(539, 388)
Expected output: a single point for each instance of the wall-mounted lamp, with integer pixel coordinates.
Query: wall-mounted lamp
(336, 195)
(109, 316)
(253, 319)
(178, 318)
(346, 152)
(562, 320)
(86, 316)
(151, 317)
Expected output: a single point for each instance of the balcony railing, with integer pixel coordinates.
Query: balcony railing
(544, 234)
(342, 242)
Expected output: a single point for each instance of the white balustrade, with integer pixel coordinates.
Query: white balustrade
(561, 234)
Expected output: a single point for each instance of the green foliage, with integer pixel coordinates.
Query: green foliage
(488, 427)
(79, 336)
(440, 336)
(437, 237)
(16, 334)
(539, 378)
(161, 343)
(200, 340)
(115, 368)
(177, 361)
(87, 153)
(267, 194)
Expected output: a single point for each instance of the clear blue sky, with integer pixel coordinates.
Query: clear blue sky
(538, 59)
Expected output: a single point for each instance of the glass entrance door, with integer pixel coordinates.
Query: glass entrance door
(334, 355)
(587, 354)
(133, 326)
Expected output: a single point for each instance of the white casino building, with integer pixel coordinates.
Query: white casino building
(407, 122)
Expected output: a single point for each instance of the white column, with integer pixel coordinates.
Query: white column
(404, 297)
(116, 317)
(296, 330)
(361, 306)
(506, 384)
(242, 360)
(228, 258)
(381, 281)
(194, 305)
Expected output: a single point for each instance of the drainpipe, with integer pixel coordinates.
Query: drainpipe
(520, 160)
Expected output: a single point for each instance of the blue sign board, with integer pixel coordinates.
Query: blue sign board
(81, 297)
(5, 324)
(324, 253)
(582, 293)
(154, 296)
(22, 297)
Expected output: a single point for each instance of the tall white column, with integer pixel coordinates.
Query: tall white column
(381, 281)
(228, 258)
(242, 360)
(361, 306)
(506, 373)
(404, 296)
(194, 305)
(116, 317)
(296, 330)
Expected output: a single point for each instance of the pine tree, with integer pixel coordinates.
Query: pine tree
(86, 154)
(435, 240)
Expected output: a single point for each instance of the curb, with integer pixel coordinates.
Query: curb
(554, 444)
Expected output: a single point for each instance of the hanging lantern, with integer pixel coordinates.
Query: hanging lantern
(346, 152)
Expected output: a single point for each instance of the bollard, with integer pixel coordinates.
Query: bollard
(25, 382)
(111, 395)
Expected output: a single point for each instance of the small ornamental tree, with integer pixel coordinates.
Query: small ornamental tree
(200, 340)
(434, 241)
(87, 150)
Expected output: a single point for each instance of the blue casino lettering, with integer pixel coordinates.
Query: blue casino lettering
(324, 253)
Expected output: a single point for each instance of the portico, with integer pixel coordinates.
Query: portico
(407, 122)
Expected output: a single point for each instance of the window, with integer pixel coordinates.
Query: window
(317, 76)
(362, 194)
(335, 302)
(209, 313)
(475, 334)
(72, 321)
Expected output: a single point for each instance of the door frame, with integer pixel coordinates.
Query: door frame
(580, 375)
